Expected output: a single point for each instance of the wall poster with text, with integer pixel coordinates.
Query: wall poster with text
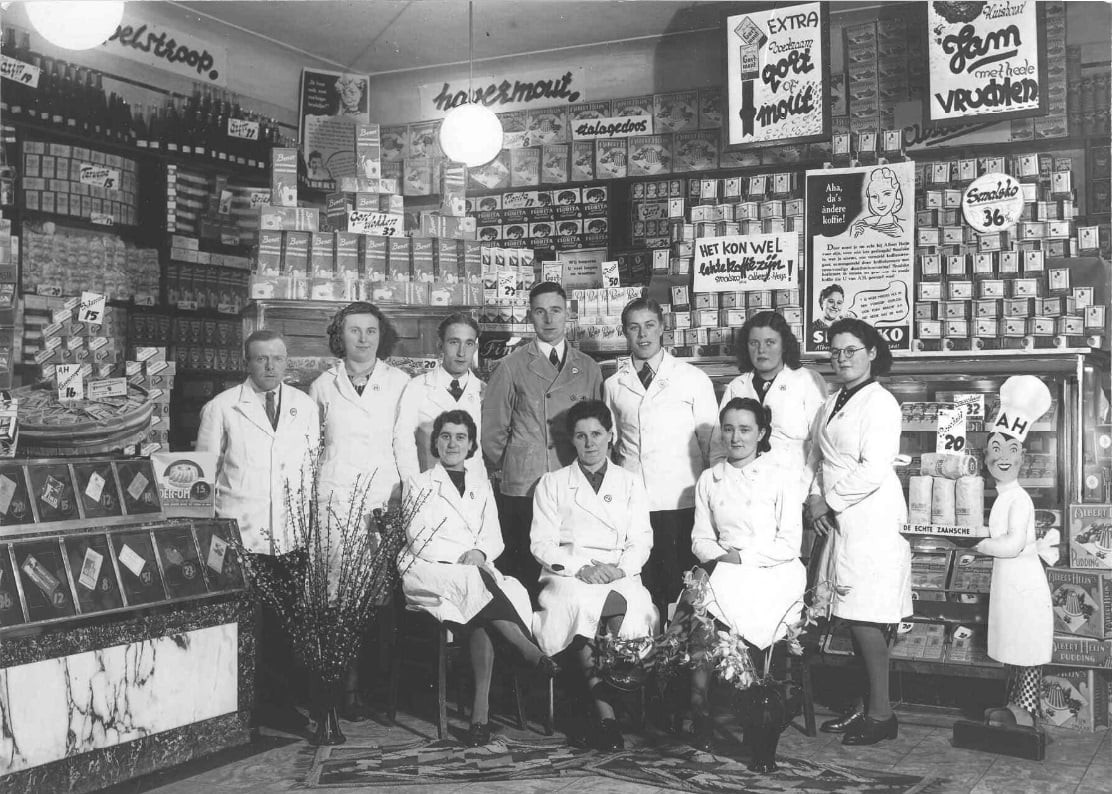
(332, 103)
(861, 250)
(985, 59)
(777, 69)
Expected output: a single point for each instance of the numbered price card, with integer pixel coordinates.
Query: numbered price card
(91, 308)
(45, 583)
(992, 203)
(951, 430)
(71, 382)
(138, 567)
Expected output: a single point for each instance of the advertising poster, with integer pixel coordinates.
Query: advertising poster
(776, 67)
(984, 60)
(332, 103)
(737, 263)
(861, 246)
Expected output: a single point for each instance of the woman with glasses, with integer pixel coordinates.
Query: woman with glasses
(856, 500)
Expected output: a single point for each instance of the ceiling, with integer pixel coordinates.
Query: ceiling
(380, 36)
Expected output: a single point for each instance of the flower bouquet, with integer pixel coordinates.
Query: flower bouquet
(330, 588)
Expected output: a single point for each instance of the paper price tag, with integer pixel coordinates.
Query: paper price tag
(138, 485)
(90, 569)
(379, 224)
(71, 382)
(973, 404)
(242, 128)
(95, 487)
(109, 387)
(91, 308)
(610, 274)
(260, 198)
(101, 219)
(100, 176)
(133, 561)
(507, 283)
(951, 430)
(218, 549)
(7, 491)
(18, 71)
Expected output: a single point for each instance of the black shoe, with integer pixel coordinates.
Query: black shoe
(870, 731)
(608, 736)
(842, 724)
(702, 732)
(548, 667)
(478, 735)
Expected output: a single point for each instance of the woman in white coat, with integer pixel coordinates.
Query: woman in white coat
(856, 498)
(448, 565)
(591, 535)
(746, 536)
(358, 400)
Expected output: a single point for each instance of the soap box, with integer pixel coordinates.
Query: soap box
(1082, 601)
(1090, 528)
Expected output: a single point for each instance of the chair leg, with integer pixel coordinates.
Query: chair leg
(808, 696)
(441, 681)
(550, 709)
(395, 673)
(515, 682)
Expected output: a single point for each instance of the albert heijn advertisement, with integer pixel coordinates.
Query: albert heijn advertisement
(861, 246)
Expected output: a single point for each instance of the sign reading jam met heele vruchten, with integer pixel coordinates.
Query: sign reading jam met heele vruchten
(985, 60)
(171, 50)
(740, 263)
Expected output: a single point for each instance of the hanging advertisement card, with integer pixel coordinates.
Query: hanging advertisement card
(861, 246)
(741, 263)
(332, 104)
(984, 60)
(777, 65)
(992, 203)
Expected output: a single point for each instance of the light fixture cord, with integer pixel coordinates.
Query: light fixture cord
(470, 51)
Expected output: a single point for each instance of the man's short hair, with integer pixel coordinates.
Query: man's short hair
(262, 335)
(545, 287)
(459, 318)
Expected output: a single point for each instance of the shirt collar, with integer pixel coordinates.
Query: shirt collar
(444, 377)
(546, 349)
(850, 392)
(597, 474)
(653, 362)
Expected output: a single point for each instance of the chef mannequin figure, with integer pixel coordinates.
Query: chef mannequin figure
(1020, 617)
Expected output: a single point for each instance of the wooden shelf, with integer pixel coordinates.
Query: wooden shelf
(920, 666)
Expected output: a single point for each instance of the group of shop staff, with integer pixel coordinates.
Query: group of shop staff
(609, 490)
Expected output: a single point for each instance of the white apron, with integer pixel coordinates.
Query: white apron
(1020, 612)
(572, 525)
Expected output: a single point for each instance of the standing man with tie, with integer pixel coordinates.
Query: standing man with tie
(664, 418)
(523, 429)
(264, 432)
(449, 387)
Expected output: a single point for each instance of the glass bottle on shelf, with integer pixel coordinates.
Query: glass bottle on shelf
(139, 126)
(46, 90)
(172, 126)
(57, 100)
(220, 135)
(82, 115)
(34, 99)
(71, 102)
(154, 129)
(201, 136)
(100, 108)
(7, 179)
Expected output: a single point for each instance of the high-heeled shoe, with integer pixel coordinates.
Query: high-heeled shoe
(608, 736)
(843, 723)
(702, 732)
(870, 731)
(479, 734)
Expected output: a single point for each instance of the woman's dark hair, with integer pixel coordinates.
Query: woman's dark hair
(459, 318)
(762, 413)
(637, 304)
(777, 323)
(829, 290)
(454, 417)
(589, 409)
(387, 336)
(872, 340)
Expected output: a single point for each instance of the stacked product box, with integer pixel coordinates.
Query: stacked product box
(1031, 287)
(599, 323)
(505, 277)
(66, 339)
(194, 343)
(78, 182)
(703, 324)
(197, 279)
(563, 219)
(9, 256)
(148, 369)
(54, 261)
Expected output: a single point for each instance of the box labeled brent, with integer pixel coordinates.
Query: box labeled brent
(398, 260)
(1082, 601)
(373, 254)
(283, 177)
(346, 250)
(295, 252)
(421, 258)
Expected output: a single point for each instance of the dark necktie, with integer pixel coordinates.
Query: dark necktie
(554, 358)
(646, 376)
(455, 390)
(271, 410)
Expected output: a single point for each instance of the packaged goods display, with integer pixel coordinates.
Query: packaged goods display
(78, 182)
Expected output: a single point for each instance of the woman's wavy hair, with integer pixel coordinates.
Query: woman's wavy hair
(777, 323)
(387, 336)
(870, 337)
(454, 417)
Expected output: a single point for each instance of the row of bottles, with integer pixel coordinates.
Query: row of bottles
(204, 126)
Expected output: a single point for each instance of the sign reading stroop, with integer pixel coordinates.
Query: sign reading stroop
(984, 60)
(776, 65)
(736, 263)
(171, 50)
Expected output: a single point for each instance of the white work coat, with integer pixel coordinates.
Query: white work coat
(572, 527)
(446, 526)
(423, 399)
(256, 461)
(754, 511)
(1020, 610)
(358, 436)
(851, 466)
(663, 433)
(794, 398)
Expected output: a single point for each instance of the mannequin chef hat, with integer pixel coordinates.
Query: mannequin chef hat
(1023, 399)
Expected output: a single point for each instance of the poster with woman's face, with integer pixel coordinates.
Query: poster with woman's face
(332, 103)
(860, 239)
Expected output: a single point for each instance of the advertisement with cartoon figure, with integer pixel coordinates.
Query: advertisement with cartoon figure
(861, 246)
(332, 103)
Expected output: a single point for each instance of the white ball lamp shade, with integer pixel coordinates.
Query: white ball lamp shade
(76, 24)
(471, 134)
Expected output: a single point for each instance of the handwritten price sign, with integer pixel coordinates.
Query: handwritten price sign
(100, 176)
(381, 224)
(241, 128)
(91, 308)
(71, 383)
(18, 71)
(951, 430)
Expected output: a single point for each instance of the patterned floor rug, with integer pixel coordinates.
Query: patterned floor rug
(675, 767)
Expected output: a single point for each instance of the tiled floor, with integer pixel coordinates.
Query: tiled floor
(1076, 763)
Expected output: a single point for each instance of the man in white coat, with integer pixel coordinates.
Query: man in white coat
(449, 387)
(264, 431)
(665, 416)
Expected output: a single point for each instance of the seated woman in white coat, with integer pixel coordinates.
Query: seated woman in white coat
(448, 566)
(746, 537)
(591, 535)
